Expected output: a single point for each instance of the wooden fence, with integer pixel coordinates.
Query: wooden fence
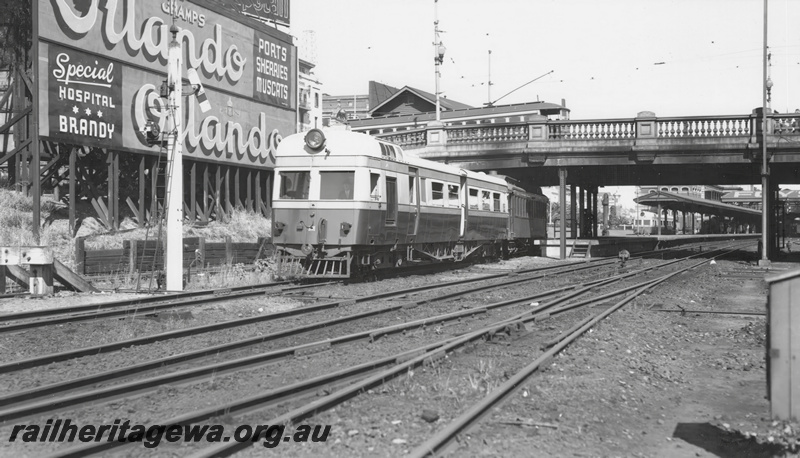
(146, 256)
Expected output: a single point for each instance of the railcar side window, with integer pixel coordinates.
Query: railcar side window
(452, 195)
(437, 193)
(336, 185)
(486, 201)
(412, 185)
(473, 198)
(496, 201)
(423, 191)
(295, 185)
(388, 152)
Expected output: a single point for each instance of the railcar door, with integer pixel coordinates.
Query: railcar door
(391, 201)
(413, 200)
(462, 197)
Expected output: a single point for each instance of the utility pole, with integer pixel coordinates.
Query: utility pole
(174, 198)
(490, 78)
(438, 57)
(765, 200)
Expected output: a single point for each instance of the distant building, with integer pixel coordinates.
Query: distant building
(309, 98)
(344, 108)
(309, 91)
(388, 109)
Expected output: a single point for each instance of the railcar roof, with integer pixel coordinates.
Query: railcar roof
(348, 143)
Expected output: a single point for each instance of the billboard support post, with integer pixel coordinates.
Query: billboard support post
(35, 166)
(174, 196)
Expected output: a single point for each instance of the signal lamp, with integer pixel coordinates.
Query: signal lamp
(279, 228)
(315, 139)
(152, 133)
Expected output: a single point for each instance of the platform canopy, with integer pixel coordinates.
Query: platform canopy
(683, 203)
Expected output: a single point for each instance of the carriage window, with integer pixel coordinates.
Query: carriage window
(496, 201)
(486, 200)
(336, 185)
(423, 191)
(473, 198)
(294, 185)
(452, 195)
(374, 186)
(437, 193)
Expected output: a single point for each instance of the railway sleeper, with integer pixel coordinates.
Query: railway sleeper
(434, 358)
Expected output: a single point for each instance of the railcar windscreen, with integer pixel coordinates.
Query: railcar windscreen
(295, 185)
(336, 185)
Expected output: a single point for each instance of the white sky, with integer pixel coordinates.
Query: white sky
(602, 53)
(610, 58)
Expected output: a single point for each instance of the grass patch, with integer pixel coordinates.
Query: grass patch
(16, 227)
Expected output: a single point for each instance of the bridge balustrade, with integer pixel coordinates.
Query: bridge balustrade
(591, 130)
(786, 124)
(543, 130)
(737, 126)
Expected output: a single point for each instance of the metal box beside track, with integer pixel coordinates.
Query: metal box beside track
(783, 345)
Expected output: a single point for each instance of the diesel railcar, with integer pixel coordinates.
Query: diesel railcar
(346, 204)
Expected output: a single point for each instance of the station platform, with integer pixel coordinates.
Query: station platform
(612, 245)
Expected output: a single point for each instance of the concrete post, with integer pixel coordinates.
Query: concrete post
(594, 210)
(646, 125)
(582, 211)
(573, 223)
(537, 128)
(436, 134)
(562, 197)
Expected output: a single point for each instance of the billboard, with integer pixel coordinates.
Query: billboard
(262, 10)
(102, 64)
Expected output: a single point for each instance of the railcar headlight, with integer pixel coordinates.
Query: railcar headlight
(315, 139)
(344, 229)
(279, 226)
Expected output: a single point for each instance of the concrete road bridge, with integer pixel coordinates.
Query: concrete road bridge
(645, 150)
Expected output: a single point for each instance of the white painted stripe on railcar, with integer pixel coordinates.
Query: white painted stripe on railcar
(373, 206)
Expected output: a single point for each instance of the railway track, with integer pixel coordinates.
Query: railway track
(556, 306)
(18, 321)
(139, 369)
(191, 331)
(443, 438)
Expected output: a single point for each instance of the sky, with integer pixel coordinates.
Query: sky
(607, 59)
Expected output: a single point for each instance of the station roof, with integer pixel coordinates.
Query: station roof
(684, 203)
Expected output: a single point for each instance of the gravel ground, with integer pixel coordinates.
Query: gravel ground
(641, 383)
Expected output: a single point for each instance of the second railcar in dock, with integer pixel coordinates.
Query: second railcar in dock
(345, 204)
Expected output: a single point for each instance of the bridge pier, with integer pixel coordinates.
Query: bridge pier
(562, 210)
(582, 211)
(573, 218)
